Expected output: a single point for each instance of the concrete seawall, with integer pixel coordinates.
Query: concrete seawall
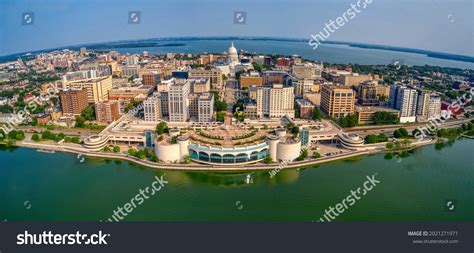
(202, 167)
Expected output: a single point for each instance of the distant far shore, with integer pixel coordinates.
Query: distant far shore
(154, 42)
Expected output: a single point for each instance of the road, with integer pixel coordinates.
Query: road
(366, 130)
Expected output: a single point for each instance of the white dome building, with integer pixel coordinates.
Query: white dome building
(232, 55)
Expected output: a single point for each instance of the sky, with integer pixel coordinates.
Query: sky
(438, 25)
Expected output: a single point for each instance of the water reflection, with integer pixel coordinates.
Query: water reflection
(442, 145)
(7, 147)
(244, 179)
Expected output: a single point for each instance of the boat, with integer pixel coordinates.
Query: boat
(46, 151)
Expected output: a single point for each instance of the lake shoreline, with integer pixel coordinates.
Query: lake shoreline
(209, 168)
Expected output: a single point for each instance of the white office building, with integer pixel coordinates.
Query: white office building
(275, 102)
(178, 102)
(152, 108)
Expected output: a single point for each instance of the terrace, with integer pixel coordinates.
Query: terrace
(228, 137)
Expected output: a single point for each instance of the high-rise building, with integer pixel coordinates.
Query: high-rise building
(97, 88)
(200, 85)
(131, 60)
(422, 104)
(179, 102)
(152, 108)
(274, 77)
(337, 101)
(214, 75)
(372, 94)
(405, 100)
(205, 107)
(434, 107)
(151, 79)
(207, 59)
(353, 79)
(283, 62)
(107, 111)
(307, 70)
(247, 81)
(73, 101)
(303, 86)
(275, 102)
(130, 71)
(305, 108)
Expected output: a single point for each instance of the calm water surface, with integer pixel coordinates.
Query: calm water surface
(48, 187)
(331, 53)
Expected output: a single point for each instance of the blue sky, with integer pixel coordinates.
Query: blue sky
(439, 25)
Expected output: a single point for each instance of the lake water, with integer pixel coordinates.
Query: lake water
(331, 53)
(58, 187)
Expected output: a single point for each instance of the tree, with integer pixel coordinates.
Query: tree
(292, 128)
(35, 137)
(382, 138)
(220, 116)
(303, 155)
(162, 128)
(116, 149)
(297, 113)
(106, 149)
(405, 142)
(88, 113)
(75, 140)
(371, 138)
(404, 132)
(20, 136)
(268, 160)
(238, 106)
(317, 115)
(187, 159)
(389, 145)
(239, 116)
(316, 155)
(132, 151)
(416, 132)
(153, 157)
(174, 140)
(220, 105)
(397, 133)
(141, 154)
(80, 122)
(349, 120)
(381, 118)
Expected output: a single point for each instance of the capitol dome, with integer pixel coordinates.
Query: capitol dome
(232, 55)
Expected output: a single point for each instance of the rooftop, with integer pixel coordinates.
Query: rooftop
(374, 109)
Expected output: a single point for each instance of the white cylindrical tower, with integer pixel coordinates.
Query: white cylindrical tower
(167, 152)
(183, 142)
(280, 132)
(174, 132)
(289, 149)
(272, 142)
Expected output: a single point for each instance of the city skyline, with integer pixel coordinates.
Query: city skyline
(86, 22)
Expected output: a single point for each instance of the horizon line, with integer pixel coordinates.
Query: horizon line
(247, 37)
